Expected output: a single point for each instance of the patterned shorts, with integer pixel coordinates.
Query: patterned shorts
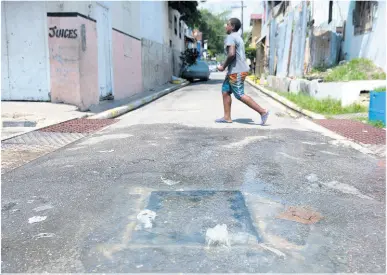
(235, 83)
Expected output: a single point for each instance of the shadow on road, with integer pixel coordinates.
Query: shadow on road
(209, 82)
(248, 121)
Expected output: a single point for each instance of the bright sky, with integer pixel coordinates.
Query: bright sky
(217, 6)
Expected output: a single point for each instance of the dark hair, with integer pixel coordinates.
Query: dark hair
(235, 23)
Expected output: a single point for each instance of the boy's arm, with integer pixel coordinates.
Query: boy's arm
(230, 56)
(230, 53)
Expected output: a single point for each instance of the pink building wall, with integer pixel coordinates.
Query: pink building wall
(127, 66)
(88, 65)
(73, 61)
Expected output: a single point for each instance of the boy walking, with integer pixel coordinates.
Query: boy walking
(237, 72)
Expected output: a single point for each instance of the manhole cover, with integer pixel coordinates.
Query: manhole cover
(183, 217)
(79, 126)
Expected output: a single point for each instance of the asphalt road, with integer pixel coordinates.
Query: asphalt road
(79, 209)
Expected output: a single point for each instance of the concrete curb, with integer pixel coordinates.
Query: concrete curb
(285, 102)
(118, 111)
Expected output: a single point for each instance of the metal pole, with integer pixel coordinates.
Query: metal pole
(242, 18)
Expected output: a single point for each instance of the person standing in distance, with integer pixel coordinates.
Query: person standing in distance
(237, 73)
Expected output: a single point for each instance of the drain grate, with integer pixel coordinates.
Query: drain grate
(79, 126)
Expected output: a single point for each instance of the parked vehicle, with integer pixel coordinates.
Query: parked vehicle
(213, 66)
(199, 70)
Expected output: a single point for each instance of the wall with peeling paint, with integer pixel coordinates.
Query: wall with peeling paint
(127, 65)
(157, 65)
(371, 45)
(25, 66)
(74, 63)
(154, 21)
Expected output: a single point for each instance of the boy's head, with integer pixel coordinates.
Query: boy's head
(233, 25)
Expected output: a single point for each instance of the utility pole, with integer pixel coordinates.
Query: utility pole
(241, 7)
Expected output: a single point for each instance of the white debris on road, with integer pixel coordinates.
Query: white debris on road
(312, 177)
(37, 219)
(218, 236)
(42, 208)
(274, 250)
(169, 182)
(146, 217)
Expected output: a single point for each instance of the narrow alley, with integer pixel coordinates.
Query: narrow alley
(152, 191)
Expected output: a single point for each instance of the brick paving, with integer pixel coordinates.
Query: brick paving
(355, 130)
(22, 149)
(82, 125)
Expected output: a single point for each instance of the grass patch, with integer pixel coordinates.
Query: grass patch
(377, 123)
(327, 106)
(356, 69)
(380, 89)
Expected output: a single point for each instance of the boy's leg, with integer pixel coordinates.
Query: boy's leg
(226, 94)
(237, 86)
(227, 106)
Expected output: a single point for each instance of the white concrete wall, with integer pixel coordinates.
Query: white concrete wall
(371, 45)
(126, 13)
(25, 66)
(177, 42)
(320, 13)
(154, 21)
(126, 17)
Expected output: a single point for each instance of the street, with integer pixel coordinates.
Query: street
(293, 199)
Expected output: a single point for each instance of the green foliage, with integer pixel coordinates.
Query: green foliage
(251, 53)
(247, 39)
(356, 69)
(380, 89)
(377, 123)
(188, 11)
(212, 27)
(327, 106)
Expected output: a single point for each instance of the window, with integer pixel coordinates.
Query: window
(170, 43)
(175, 25)
(170, 19)
(363, 16)
(180, 29)
(330, 11)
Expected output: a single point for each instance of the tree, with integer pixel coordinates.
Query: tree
(188, 11)
(212, 27)
(250, 53)
(247, 39)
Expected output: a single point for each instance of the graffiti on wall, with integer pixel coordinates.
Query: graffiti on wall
(64, 33)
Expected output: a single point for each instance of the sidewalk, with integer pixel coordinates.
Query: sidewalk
(33, 129)
(23, 117)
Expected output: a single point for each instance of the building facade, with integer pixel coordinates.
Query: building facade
(83, 52)
(297, 36)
